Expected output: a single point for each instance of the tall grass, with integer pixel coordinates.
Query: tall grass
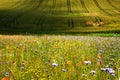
(53, 57)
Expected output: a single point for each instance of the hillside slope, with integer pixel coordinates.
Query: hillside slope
(59, 15)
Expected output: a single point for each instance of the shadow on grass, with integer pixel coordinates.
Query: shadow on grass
(26, 22)
(34, 22)
(97, 33)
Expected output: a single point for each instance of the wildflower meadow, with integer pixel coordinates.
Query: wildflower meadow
(57, 57)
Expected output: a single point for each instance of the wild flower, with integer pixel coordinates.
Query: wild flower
(22, 64)
(54, 64)
(100, 61)
(22, 67)
(78, 64)
(87, 62)
(99, 56)
(75, 56)
(113, 74)
(111, 59)
(69, 62)
(84, 75)
(5, 78)
(20, 44)
(64, 70)
(92, 71)
(103, 69)
(119, 69)
(7, 74)
(109, 70)
(107, 66)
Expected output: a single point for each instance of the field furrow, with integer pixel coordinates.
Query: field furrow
(100, 7)
(14, 19)
(54, 3)
(41, 18)
(91, 16)
(70, 20)
(111, 4)
(53, 15)
(84, 6)
(69, 6)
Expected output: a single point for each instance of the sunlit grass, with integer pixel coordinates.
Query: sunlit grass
(53, 15)
(51, 57)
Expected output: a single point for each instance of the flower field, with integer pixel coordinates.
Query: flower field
(55, 57)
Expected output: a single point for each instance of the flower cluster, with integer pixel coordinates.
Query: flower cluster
(109, 70)
(87, 62)
(60, 57)
(54, 64)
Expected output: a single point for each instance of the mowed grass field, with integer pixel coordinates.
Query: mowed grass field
(51, 57)
(21, 16)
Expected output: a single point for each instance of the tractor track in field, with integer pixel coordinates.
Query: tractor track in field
(41, 19)
(43, 16)
(8, 17)
(69, 6)
(6, 20)
(9, 21)
(70, 21)
(84, 6)
(98, 5)
(110, 3)
(14, 6)
(97, 18)
(54, 3)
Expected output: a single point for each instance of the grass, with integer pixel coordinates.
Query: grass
(52, 15)
(59, 40)
(59, 57)
(106, 35)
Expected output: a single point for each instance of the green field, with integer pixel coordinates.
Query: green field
(59, 40)
(51, 57)
(34, 16)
